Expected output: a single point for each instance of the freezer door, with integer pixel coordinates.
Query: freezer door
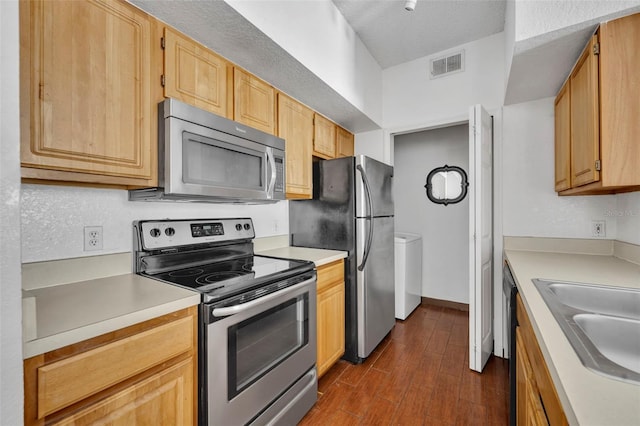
(375, 282)
(373, 179)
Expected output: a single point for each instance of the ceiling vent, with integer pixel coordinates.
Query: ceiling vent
(446, 65)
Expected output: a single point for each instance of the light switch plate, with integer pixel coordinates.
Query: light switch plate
(598, 228)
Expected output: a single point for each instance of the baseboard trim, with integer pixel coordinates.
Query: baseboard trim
(445, 304)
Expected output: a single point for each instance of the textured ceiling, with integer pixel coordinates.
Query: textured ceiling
(393, 35)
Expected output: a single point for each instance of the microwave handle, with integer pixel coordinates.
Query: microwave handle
(272, 164)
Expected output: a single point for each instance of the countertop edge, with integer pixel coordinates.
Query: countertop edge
(45, 344)
(318, 256)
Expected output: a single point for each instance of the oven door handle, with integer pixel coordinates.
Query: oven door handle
(236, 309)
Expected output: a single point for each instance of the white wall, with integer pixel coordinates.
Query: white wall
(54, 217)
(627, 215)
(411, 98)
(317, 35)
(371, 144)
(534, 17)
(530, 205)
(11, 395)
(444, 229)
(509, 37)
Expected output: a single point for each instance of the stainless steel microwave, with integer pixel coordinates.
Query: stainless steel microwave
(205, 157)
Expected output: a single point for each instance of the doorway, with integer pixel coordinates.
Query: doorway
(480, 231)
(444, 228)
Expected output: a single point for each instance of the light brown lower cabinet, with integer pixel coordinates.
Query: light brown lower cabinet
(330, 313)
(142, 374)
(537, 401)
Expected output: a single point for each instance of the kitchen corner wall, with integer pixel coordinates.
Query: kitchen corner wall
(54, 217)
(11, 395)
(412, 99)
(531, 207)
(627, 216)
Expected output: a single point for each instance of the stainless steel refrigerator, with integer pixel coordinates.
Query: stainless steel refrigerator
(352, 210)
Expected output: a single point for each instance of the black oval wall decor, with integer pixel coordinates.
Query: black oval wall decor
(441, 190)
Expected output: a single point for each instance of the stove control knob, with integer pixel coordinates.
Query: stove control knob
(247, 226)
(155, 232)
(169, 232)
(238, 227)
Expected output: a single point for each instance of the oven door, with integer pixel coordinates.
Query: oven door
(201, 161)
(256, 351)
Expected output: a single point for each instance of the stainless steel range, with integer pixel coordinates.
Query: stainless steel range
(257, 317)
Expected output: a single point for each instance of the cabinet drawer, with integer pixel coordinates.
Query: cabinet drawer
(67, 381)
(329, 274)
(168, 391)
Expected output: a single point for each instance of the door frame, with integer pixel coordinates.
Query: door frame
(500, 326)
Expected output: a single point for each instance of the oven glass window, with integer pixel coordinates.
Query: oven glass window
(209, 161)
(260, 343)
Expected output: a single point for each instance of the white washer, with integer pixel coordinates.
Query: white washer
(408, 273)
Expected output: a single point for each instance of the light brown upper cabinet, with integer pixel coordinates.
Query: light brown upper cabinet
(563, 138)
(324, 137)
(194, 74)
(253, 102)
(87, 106)
(344, 143)
(295, 126)
(604, 105)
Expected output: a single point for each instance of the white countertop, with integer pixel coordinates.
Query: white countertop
(61, 315)
(318, 256)
(587, 398)
(64, 304)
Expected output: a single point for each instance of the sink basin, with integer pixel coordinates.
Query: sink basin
(603, 300)
(601, 323)
(618, 339)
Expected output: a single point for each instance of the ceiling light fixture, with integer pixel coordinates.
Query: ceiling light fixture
(410, 5)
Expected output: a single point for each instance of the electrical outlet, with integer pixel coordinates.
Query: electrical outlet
(92, 238)
(598, 228)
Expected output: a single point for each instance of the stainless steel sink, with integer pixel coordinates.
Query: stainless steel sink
(602, 324)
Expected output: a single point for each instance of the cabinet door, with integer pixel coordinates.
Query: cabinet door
(563, 138)
(585, 118)
(344, 142)
(324, 137)
(165, 397)
(295, 126)
(529, 410)
(330, 326)
(194, 74)
(86, 75)
(620, 101)
(254, 102)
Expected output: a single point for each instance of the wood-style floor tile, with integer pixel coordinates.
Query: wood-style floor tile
(418, 375)
(380, 413)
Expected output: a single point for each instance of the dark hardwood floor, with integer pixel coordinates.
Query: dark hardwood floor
(419, 375)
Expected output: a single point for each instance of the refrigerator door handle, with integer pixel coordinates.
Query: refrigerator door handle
(367, 247)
